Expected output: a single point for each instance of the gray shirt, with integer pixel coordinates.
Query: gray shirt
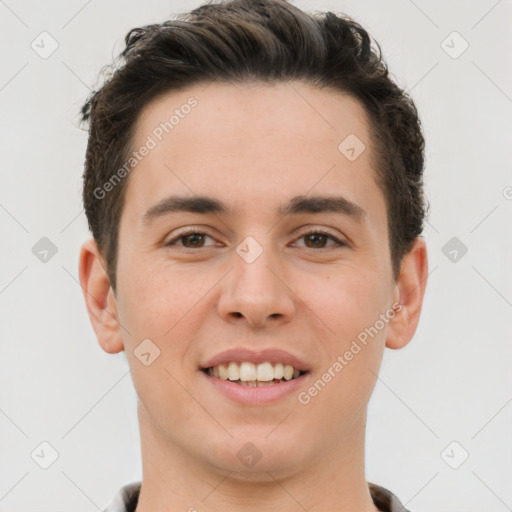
(126, 499)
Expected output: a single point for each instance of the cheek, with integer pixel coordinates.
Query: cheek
(157, 299)
(350, 300)
(157, 309)
(164, 402)
(351, 305)
(347, 377)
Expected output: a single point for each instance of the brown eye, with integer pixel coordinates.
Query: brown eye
(195, 240)
(190, 240)
(318, 240)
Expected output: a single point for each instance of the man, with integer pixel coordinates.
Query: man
(253, 184)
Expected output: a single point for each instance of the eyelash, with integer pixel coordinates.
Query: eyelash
(310, 232)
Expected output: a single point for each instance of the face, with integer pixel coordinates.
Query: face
(287, 262)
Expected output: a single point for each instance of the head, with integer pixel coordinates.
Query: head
(268, 111)
(215, 44)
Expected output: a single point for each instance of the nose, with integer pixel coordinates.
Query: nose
(257, 292)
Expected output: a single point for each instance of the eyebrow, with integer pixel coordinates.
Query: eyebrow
(300, 204)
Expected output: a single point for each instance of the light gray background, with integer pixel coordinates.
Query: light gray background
(451, 383)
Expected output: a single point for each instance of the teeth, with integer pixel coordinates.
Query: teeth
(256, 383)
(249, 374)
(278, 371)
(233, 371)
(265, 372)
(223, 371)
(288, 372)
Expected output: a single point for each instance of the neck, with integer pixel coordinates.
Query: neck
(176, 481)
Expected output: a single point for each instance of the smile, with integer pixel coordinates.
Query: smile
(249, 374)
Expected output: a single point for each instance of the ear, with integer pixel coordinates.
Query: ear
(408, 293)
(99, 298)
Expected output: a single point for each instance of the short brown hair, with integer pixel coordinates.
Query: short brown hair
(245, 40)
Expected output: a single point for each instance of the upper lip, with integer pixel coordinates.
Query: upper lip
(271, 355)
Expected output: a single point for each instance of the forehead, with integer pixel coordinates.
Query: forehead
(266, 141)
(303, 112)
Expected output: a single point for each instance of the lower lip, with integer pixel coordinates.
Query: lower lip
(256, 395)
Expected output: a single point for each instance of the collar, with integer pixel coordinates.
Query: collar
(127, 497)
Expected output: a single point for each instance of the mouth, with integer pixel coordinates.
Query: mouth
(255, 375)
(255, 378)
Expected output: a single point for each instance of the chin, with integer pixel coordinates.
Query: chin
(255, 451)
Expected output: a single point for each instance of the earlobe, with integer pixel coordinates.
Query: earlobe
(409, 293)
(99, 298)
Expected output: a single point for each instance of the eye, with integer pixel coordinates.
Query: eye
(194, 239)
(318, 239)
(191, 239)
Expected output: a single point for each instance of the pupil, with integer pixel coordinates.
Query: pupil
(318, 235)
(193, 235)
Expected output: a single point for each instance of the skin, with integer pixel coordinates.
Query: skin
(253, 147)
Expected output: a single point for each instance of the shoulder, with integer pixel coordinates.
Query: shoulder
(126, 498)
(385, 500)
